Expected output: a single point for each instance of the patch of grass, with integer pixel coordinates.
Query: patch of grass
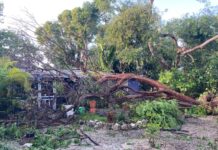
(89, 116)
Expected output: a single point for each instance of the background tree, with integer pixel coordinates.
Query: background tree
(66, 41)
(19, 48)
(196, 69)
(129, 32)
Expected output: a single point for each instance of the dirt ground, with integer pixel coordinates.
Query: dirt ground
(199, 134)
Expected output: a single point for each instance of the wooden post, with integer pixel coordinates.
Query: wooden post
(39, 98)
(54, 100)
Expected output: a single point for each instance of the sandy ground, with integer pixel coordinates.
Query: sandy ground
(201, 134)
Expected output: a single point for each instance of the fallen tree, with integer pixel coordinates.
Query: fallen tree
(157, 90)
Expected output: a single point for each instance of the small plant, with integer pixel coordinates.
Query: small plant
(152, 131)
(121, 117)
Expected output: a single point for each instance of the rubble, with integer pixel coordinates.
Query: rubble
(116, 127)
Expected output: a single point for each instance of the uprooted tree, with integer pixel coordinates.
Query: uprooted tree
(128, 38)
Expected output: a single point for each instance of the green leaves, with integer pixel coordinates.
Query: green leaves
(129, 32)
(163, 113)
(177, 80)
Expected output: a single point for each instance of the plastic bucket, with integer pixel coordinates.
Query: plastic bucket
(92, 104)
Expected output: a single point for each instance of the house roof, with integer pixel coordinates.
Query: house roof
(56, 73)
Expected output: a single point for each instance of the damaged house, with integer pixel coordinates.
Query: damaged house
(44, 85)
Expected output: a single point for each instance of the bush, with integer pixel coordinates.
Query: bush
(164, 113)
(196, 111)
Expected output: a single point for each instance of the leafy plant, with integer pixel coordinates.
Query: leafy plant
(160, 112)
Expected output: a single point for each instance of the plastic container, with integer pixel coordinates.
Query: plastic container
(81, 110)
(92, 106)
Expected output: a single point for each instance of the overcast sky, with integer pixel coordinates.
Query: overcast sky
(45, 10)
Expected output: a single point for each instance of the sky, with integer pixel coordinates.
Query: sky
(48, 10)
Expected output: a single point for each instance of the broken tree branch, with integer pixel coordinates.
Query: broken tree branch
(186, 51)
(88, 137)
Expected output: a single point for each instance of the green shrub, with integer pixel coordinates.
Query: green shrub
(164, 113)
